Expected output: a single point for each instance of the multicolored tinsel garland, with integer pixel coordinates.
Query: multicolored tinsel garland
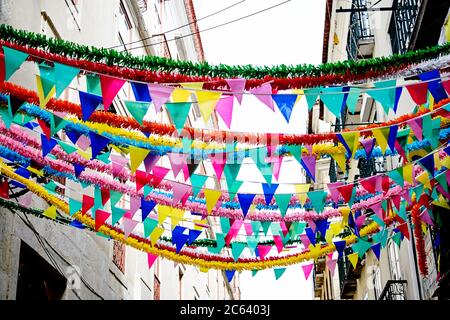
(158, 64)
(185, 256)
(118, 121)
(420, 242)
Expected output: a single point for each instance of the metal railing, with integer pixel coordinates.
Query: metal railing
(394, 290)
(359, 28)
(402, 24)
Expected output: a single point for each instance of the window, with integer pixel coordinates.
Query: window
(394, 261)
(377, 281)
(119, 255)
(402, 24)
(125, 19)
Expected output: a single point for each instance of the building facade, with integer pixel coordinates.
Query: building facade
(73, 263)
(361, 29)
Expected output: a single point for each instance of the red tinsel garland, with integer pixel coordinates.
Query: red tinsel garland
(203, 135)
(210, 82)
(420, 242)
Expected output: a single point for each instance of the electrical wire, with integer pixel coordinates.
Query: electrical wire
(182, 26)
(211, 28)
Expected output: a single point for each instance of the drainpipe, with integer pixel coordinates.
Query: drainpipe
(141, 26)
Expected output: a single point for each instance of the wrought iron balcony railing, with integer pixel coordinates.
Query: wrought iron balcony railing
(394, 290)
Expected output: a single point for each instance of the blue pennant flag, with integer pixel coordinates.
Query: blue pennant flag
(193, 235)
(230, 274)
(269, 191)
(245, 200)
(78, 169)
(398, 93)
(322, 225)
(89, 102)
(73, 135)
(340, 246)
(434, 86)
(285, 102)
(47, 145)
(146, 207)
(140, 91)
(311, 235)
(179, 238)
(21, 172)
(98, 143)
(77, 224)
(376, 250)
(428, 163)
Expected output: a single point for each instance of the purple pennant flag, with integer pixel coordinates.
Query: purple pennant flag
(179, 190)
(224, 108)
(425, 217)
(368, 145)
(332, 187)
(135, 205)
(376, 207)
(98, 143)
(264, 94)
(269, 191)
(305, 240)
(309, 164)
(159, 95)
(416, 126)
(150, 161)
(237, 86)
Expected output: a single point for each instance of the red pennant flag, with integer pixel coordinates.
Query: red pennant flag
(370, 184)
(403, 228)
(4, 189)
(142, 178)
(346, 191)
(418, 92)
(45, 129)
(105, 195)
(110, 88)
(446, 85)
(100, 218)
(88, 203)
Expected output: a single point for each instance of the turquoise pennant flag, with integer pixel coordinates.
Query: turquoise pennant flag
(13, 60)
(236, 249)
(197, 181)
(93, 84)
(333, 97)
(178, 112)
(279, 272)
(352, 99)
(74, 206)
(137, 109)
(384, 93)
(282, 201)
(311, 96)
(63, 76)
(47, 78)
(317, 199)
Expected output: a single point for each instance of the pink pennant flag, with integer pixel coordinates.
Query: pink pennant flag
(278, 243)
(110, 88)
(284, 228)
(416, 127)
(307, 268)
(305, 240)
(233, 232)
(248, 229)
(135, 204)
(218, 163)
(84, 142)
(332, 187)
(224, 108)
(237, 87)
(376, 207)
(263, 250)
(331, 264)
(425, 217)
(276, 164)
(151, 259)
(368, 145)
(128, 226)
(158, 174)
(179, 191)
(406, 196)
(400, 151)
(360, 220)
(312, 224)
(330, 255)
(26, 199)
(177, 161)
(264, 94)
(118, 163)
(159, 94)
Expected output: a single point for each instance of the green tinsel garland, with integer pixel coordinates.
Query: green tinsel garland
(160, 64)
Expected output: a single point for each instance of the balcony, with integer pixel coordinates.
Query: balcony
(319, 279)
(403, 21)
(394, 290)
(348, 277)
(360, 43)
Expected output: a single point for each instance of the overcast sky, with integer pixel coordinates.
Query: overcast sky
(288, 34)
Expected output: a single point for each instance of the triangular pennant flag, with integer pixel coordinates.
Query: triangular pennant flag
(311, 96)
(278, 243)
(264, 94)
(368, 145)
(193, 235)
(384, 93)
(14, 104)
(47, 145)
(322, 226)
(128, 226)
(346, 191)
(197, 182)
(63, 76)
(211, 197)
(353, 258)
(141, 92)
(263, 250)
(160, 95)
(105, 195)
(110, 88)
(13, 60)
(307, 268)
(89, 102)
(179, 190)
(149, 226)
(352, 99)
(418, 92)
(100, 218)
(98, 143)
(311, 235)
(333, 97)
(376, 248)
(93, 84)
(151, 258)
(155, 235)
(404, 229)
(282, 201)
(224, 108)
(230, 274)
(301, 190)
(340, 246)
(137, 155)
(207, 101)
(434, 86)
(361, 247)
(158, 175)
(279, 272)
(237, 87)
(87, 203)
(350, 141)
(6, 117)
(317, 199)
(50, 212)
(74, 206)
(177, 161)
(57, 123)
(442, 180)
(117, 214)
(138, 110)
(265, 226)
(309, 164)
(181, 95)
(285, 103)
(150, 161)
(67, 147)
(332, 187)
(43, 95)
(428, 163)
(175, 217)
(236, 249)
(178, 113)
(78, 168)
(269, 191)
(382, 136)
(146, 207)
(396, 176)
(245, 200)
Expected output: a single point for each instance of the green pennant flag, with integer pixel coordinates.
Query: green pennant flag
(317, 199)
(384, 204)
(6, 117)
(74, 206)
(117, 213)
(137, 109)
(97, 200)
(47, 78)
(297, 228)
(114, 197)
(265, 226)
(67, 147)
(279, 272)
(441, 178)
(51, 186)
(197, 181)
(220, 243)
(63, 76)
(149, 226)
(381, 237)
(231, 172)
(178, 113)
(225, 224)
(57, 123)
(397, 238)
(418, 190)
(234, 189)
(397, 176)
(282, 201)
(377, 219)
(236, 249)
(13, 61)
(254, 272)
(93, 84)
(104, 157)
(284, 238)
(84, 185)
(187, 145)
(275, 228)
(402, 212)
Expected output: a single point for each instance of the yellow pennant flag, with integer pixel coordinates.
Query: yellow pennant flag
(352, 141)
(204, 269)
(192, 85)
(340, 160)
(180, 95)
(42, 99)
(336, 227)
(382, 135)
(137, 155)
(50, 212)
(441, 202)
(301, 190)
(345, 212)
(156, 234)
(407, 173)
(207, 101)
(424, 179)
(198, 227)
(353, 259)
(163, 213)
(446, 162)
(211, 196)
(84, 154)
(37, 172)
(299, 93)
(175, 217)
(314, 251)
(329, 236)
(120, 149)
(437, 161)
